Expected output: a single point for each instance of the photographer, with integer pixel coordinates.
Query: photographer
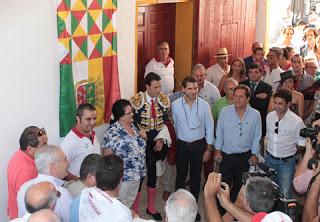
(258, 198)
(311, 207)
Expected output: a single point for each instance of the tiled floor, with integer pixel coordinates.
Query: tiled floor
(160, 203)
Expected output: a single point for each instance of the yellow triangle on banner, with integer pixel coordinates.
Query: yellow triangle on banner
(65, 42)
(94, 38)
(78, 6)
(109, 28)
(79, 31)
(95, 13)
(109, 5)
(63, 14)
(108, 52)
(79, 57)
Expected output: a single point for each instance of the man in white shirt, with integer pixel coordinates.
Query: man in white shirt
(283, 134)
(81, 140)
(52, 165)
(100, 203)
(221, 68)
(163, 66)
(272, 76)
(206, 90)
(39, 196)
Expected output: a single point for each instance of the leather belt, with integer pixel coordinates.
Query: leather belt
(191, 143)
(280, 158)
(237, 154)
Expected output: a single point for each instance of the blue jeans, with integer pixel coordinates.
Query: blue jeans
(285, 170)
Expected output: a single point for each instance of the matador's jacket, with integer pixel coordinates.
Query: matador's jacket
(142, 118)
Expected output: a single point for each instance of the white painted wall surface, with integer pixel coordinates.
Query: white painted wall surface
(30, 73)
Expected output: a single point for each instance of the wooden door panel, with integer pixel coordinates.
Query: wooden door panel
(223, 23)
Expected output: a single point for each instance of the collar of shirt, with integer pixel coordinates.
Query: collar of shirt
(148, 98)
(256, 83)
(81, 135)
(52, 179)
(184, 102)
(166, 63)
(244, 115)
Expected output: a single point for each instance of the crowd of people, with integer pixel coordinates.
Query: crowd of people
(225, 121)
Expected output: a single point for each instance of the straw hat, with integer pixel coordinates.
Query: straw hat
(222, 52)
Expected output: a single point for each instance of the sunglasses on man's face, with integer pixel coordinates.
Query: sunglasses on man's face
(41, 132)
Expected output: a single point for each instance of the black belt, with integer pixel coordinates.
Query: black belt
(280, 158)
(191, 143)
(237, 154)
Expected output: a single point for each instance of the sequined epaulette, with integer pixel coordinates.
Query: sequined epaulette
(164, 101)
(137, 100)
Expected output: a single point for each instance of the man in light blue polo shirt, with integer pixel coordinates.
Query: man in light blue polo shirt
(237, 138)
(194, 128)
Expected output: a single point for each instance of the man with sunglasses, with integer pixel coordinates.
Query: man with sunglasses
(194, 127)
(237, 138)
(21, 167)
(283, 128)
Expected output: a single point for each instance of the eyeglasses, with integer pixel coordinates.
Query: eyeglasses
(128, 114)
(276, 130)
(41, 132)
(240, 129)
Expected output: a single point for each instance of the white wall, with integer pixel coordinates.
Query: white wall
(30, 73)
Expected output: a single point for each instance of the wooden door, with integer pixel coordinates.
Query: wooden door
(223, 23)
(155, 23)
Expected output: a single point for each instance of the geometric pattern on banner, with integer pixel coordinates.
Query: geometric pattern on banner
(87, 44)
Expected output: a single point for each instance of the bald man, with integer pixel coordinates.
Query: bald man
(44, 216)
(39, 196)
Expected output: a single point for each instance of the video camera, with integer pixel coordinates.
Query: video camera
(311, 133)
(287, 206)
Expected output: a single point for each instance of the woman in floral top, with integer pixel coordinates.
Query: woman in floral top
(126, 141)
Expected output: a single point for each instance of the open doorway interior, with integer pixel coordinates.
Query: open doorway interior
(156, 23)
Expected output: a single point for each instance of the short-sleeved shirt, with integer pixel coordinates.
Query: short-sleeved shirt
(131, 149)
(77, 146)
(209, 93)
(21, 168)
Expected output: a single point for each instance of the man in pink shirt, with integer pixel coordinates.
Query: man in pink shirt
(21, 167)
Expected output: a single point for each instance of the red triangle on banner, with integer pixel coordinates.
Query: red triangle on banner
(94, 29)
(66, 59)
(95, 54)
(94, 5)
(79, 40)
(78, 15)
(108, 12)
(64, 34)
(63, 6)
(109, 36)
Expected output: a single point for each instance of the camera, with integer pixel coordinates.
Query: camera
(311, 133)
(287, 206)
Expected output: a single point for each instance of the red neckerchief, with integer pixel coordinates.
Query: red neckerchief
(287, 67)
(169, 59)
(81, 135)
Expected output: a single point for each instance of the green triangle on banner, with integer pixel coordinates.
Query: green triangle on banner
(114, 42)
(90, 22)
(84, 47)
(99, 45)
(105, 20)
(61, 26)
(85, 3)
(74, 23)
(115, 3)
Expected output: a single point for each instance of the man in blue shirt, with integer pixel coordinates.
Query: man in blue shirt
(237, 138)
(194, 127)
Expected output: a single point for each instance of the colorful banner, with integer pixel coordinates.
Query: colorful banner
(88, 58)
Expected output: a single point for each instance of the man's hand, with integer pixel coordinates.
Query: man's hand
(217, 154)
(309, 150)
(224, 195)
(212, 186)
(253, 160)
(206, 156)
(159, 145)
(262, 95)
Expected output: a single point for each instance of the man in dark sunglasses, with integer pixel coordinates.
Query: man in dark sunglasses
(21, 167)
(283, 127)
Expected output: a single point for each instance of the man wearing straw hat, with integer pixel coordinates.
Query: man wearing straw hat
(216, 71)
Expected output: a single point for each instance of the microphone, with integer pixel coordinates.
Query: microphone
(268, 170)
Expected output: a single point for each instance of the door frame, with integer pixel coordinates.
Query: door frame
(183, 37)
